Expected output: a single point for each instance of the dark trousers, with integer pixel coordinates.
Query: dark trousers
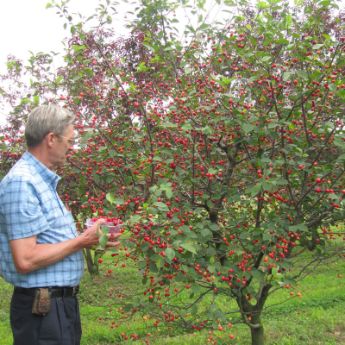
(61, 326)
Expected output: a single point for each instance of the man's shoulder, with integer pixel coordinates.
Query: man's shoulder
(21, 170)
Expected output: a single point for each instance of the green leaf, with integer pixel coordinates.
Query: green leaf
(206, 233)
(266, 237)
(78, 48)
(167, 124)
(212, 267)
(266, 58)
(142, 67)
(341, 158)
(212, 171)
(25, 100)
(114, 201)
(341, 93)
(257, 274)
(224, 81)
(159, 261)
(339, 142)
(299, 227)
(211, 251)
(303, 75)
(153, 267)
(187, 126)
(207, 130)
(103, 239)
(161, 206)
(36, 100)
(261, 5)
(134, 219)
(254, 190)
(166, 187)
(189, 246)
(287, 75)
(269, 186)
(317, 46)
(170, 254)
(247, 127)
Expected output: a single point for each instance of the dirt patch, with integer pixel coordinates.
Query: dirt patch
(339, 334)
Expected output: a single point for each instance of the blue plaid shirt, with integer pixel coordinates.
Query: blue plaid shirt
(30, 206)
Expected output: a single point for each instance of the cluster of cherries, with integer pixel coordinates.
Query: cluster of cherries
(109, 220)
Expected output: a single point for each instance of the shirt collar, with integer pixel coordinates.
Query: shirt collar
(47, 175)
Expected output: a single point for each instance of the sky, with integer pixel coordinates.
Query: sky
(26, 25)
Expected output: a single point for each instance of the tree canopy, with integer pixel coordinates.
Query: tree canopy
(222, 151)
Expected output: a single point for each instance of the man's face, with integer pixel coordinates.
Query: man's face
(62, 145)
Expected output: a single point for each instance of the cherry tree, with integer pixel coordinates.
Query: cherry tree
(223, 152)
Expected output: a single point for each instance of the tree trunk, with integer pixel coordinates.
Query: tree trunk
(91, 263)
(252, 318)
(251, 314)
(257, 334)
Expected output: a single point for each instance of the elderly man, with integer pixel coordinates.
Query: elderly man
(41, 252)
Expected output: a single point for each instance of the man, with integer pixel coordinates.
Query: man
(41, 252)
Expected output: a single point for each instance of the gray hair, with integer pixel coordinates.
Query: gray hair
(45, 119)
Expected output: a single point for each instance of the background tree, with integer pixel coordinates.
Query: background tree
(223, 151)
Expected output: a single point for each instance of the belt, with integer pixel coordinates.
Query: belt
(68, 291)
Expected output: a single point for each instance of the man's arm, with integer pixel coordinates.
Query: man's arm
(28, 255)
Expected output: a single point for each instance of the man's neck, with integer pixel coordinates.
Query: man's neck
(42, 156)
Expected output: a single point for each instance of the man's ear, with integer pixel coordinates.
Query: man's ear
(50, 139)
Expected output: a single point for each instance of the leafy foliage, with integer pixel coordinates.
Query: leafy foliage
(222, 152)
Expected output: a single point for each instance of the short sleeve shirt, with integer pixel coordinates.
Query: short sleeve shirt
(30, 206)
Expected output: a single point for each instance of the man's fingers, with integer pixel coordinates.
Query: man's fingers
(112, 236)
(98, 225)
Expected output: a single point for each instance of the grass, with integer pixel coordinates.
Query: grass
(317, 317)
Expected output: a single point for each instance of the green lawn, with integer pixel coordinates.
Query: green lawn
(315, 318)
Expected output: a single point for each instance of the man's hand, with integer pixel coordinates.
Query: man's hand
(93, 234)
(112, 243)
(90, 236)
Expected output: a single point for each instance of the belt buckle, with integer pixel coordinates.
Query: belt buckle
(59, 291)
